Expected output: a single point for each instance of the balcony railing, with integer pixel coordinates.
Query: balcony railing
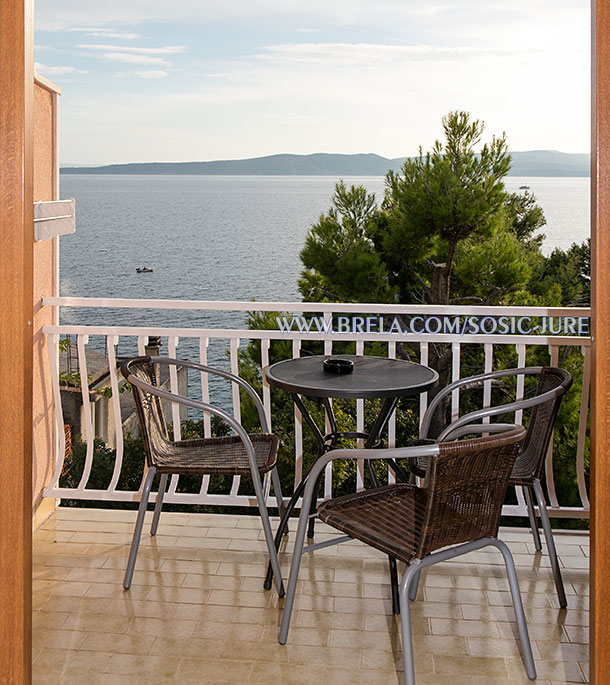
(195, 342)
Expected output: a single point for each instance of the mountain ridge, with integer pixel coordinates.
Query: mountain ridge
(524, 163)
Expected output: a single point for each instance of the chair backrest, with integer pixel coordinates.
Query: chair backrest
(542, 407)
(148, 408)
(466, 484)
(531, 458)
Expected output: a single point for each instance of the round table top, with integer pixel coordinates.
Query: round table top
(372, 377)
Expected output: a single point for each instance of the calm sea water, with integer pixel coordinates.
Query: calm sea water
(224, 238)
(230, 237)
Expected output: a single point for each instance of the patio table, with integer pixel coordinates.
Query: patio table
(371, 378)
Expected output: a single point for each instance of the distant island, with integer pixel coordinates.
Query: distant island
(530, 163)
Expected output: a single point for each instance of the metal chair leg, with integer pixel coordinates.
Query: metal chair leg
(277, 491)
(411, 575)
(414, 586)
(294, 568)
(135, 542)
(394, 585)
(550, 543)
(531, 512)
(526, 646)
(158, 504)
(264, 515)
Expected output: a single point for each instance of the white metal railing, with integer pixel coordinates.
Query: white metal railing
(197, 341)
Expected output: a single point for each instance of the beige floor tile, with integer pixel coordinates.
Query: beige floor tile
(213, 670)
(214, 582)
(300, 635)
(182, 595)
(345, 657)
(551, 670)
(99, 623)
(344, 676)
(565, 651)
(60, 588)
(43, 619)
(205, 568)
(370, 639)
(537, 631)
(126, 606)
(197, 612)
(324, 620)
(456, 595)
(578, 602)
(123, 644)
(177, 629)
(116, 590)
(49, 638)
(577, 634)
(440, 679)
(533, 599)
(442, 626)
(76, 659)
(145, 666)
(287, 674)
(88, 605)
(46, 676)
(507, 647)
(236, 632)
(449, 664)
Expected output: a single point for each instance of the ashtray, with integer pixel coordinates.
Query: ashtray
(339, 366)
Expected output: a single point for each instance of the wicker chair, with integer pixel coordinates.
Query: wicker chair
(246, 454)
(457, 511)
(552, 385)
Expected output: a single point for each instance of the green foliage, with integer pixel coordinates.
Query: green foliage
(447, 232)
(338, 257)
(106, 391)
(72, 378)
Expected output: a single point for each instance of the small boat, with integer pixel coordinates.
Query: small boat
(524, 187)
(144, 270)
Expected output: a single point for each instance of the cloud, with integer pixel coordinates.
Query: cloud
(466, 17)
(145, 74)
(105, 33)
(166, 50)
(56, 71)
(129, 58)
(369, 54)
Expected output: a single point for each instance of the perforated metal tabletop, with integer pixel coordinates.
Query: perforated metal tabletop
(372, 377)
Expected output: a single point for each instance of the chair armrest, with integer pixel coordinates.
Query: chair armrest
(170, 361)
(452, 433)
(474, 416)
(372, 454)
(189, 402)
(473, 380)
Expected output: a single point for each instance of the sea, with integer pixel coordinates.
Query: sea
(225, 238)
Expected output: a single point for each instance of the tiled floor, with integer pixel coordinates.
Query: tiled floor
(197, 613)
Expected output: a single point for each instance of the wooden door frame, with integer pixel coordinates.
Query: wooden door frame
(16, 344)
(16, 273)
(600, 303)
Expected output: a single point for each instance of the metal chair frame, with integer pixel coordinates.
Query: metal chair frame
(260, 488)
(410, 579)
(533, 487)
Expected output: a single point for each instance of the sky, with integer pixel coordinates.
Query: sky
(198, 80)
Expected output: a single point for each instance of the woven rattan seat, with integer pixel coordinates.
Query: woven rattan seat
(389, 518)
(224, 455)
(528, 470)
(241, 454)
(456, 511)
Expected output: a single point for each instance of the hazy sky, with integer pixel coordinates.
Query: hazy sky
(190, 80)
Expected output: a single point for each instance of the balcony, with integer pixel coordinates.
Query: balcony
(197, 613)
